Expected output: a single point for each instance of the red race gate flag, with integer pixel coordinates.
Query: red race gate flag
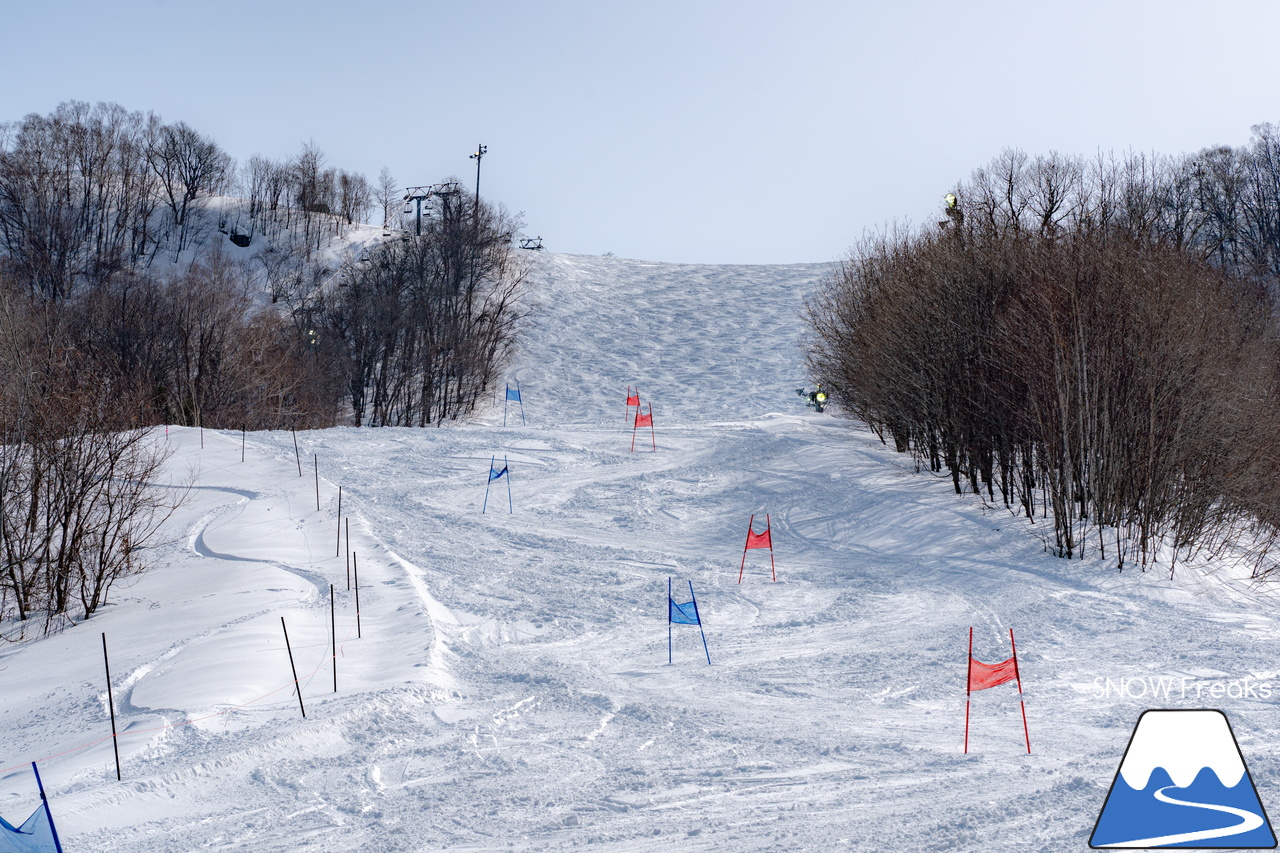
(633, 399)
(984, 675)
(758, 540)
(644, 420)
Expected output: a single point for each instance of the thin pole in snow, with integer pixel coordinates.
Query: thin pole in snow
(292, 667)
(1018, 675)
(333, 634)
(111, 705)
(768, 528)
(698, 616)
(355, 569)
(241, 443)
(347, 523)
(750, 529)
(57, 845)
(506, 467)
(315, 460)
(668, 620)
(968, 690)
(337, 547)
(296, 456)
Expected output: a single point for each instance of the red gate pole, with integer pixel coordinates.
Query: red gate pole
(968, 682)
(743, 567)
(768, 528)
(653, 436)
(1018, 675)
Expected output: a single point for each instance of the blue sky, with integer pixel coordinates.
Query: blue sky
(710, 132)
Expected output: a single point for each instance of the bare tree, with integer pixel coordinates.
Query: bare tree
(188, 166)
(427, 322)
(76, 198)
(1060, 342)
(355, 196)
(388, 196)
(79, 502)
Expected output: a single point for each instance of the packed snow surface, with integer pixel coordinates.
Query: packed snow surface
(508, 687)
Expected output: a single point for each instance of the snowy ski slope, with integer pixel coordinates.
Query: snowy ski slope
(510, 690)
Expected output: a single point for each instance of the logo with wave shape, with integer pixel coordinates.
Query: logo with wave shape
(1183, 783)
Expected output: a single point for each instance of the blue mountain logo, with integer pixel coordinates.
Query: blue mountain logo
(1183, 783)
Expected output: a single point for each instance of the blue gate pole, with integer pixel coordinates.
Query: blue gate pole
(668, 620)
(506, 467)
(53, 829)
(488, 480)
(697, 616)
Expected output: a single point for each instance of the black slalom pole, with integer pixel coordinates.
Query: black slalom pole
(333, 633)
(355, 568)
(315, 460)
(292, 667)
(337, 546)
(296, 456)
(241, 444)
(347, 523)
(112, 705)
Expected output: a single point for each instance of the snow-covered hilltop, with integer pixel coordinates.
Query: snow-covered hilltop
(510, 690)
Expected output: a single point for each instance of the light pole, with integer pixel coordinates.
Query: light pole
(481, 150)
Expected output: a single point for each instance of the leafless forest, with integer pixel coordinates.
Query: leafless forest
(146, 278)
(1090, 343)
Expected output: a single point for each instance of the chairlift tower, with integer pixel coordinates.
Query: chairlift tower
(419, 196)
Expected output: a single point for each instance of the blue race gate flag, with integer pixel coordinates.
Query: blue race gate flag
(36, 834)
(513, 394)
(494, 474)
(684, 614)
